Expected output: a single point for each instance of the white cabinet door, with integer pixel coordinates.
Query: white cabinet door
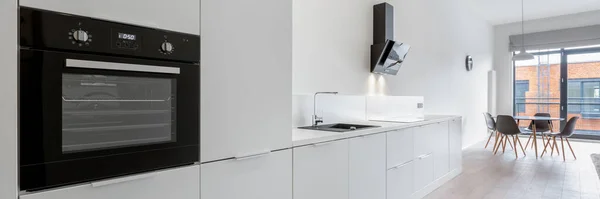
(181, 183)
(367, 176)
(400, 147)
(321, 171)
(455, 143)
(440, 153)
(175, 15)
(423, 171)
(400, 181)
(261, 177)
(423, 140)
(246, 104)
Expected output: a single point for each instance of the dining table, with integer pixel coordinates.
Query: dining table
(535, 119)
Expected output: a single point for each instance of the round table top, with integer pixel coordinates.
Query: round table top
(537, 118)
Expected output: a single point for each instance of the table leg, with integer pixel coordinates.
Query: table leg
(534, 139)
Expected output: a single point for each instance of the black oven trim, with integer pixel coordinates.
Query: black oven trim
(42, 163)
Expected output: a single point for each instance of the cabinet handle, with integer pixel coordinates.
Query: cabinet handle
(123, 179)
(253, 155)
(321, 144)
(424, 156)
(401, 165)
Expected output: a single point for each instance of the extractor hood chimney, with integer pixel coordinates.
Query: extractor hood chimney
(387, 55)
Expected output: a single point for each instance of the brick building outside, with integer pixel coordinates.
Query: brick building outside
(537, 89)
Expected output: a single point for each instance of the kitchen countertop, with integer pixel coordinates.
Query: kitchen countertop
(301, 137)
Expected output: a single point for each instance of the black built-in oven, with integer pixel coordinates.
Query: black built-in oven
(100, 99)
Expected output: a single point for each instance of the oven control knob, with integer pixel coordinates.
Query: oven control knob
(166, 47)
(80, 36)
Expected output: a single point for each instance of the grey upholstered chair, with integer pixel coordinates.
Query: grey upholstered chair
(565, 133)
(491, 125)
(507, 126)
(540, 127)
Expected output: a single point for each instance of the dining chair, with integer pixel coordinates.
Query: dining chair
(540, 127)
(491, 125)
(565, 133)
(507, 126)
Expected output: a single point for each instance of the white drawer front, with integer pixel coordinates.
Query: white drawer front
(181, 183)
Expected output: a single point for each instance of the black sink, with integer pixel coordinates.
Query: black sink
(340, 127)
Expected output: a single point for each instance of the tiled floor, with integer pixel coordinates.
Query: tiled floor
(502, 176)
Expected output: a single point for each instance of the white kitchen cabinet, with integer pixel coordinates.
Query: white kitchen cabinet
(424, 139)
(423, 171)
(267, 176)
(440, 150)
(455, 143)
(180, 183)
(177, 15)
(321, 171)
(246, 70)
(400, 147)
(367, 167)
(400, 181)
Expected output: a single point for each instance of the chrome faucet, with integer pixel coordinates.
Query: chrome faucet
(316, 119)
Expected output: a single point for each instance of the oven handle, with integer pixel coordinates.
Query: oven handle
(123, 179)
(112, 100)
(76, 63)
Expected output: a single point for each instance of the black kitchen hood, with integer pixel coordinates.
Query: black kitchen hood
(387, 55)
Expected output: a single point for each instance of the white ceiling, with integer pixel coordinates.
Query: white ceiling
(508, 11)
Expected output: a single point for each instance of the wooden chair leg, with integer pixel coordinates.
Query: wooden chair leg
(548, 141)
(495, 140)
(527, 144)
(521, 145)
(499, 144)
(490, 138)
(515, 148)
(545, 146)
(543, 139)
(504, 145)
(573, 152)
(563, 148)
(554, 146)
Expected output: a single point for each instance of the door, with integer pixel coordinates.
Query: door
(423, 171)
(400, 147)
(455, 144)
(321, 171)
(145, 13)
(441, 150)
(88, 111)
(367, 167)
(400, 181)
(583, 81)
(266, 176)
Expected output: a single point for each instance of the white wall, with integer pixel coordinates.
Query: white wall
(8, 99)
(502, 58)
(331, 52)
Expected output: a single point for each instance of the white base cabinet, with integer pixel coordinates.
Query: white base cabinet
(455, 143)
(267, 176)
(367, 167)
(400, 181)
(440, 150)
(321, 171)
(180, 183)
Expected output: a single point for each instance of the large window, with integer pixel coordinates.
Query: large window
(564, 83)
(521, 87)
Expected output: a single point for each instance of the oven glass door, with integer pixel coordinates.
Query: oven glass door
(86, 117)
(109, 111)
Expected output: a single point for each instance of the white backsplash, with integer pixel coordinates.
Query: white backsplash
(395, 108)
(346, 108)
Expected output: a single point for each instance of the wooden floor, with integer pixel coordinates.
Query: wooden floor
(502, 176)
